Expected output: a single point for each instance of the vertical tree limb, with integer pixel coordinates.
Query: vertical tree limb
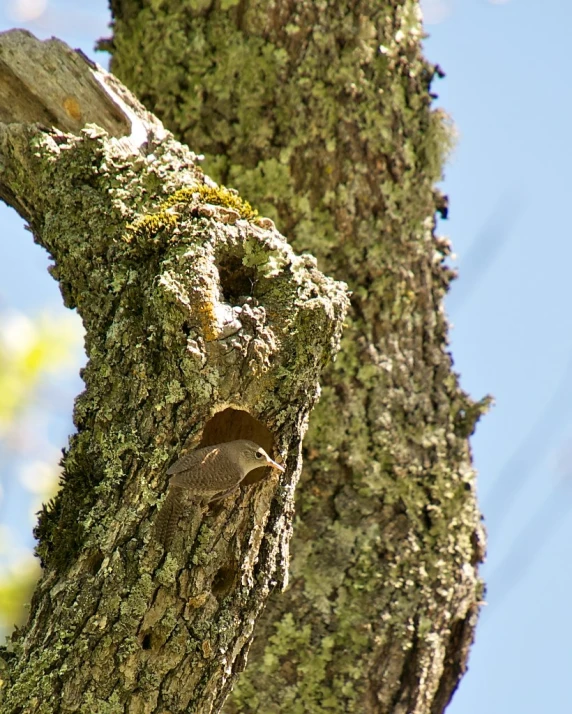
(322, 112)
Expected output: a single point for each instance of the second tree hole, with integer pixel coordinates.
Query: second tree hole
(236, 280)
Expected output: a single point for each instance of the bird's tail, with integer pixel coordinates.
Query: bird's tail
(168, 518)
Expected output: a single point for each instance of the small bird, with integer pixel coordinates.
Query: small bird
(209, 474)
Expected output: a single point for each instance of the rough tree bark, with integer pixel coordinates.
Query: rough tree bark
(202, 326)
(320, 113)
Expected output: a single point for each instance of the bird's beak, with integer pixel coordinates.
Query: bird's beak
(275, 465)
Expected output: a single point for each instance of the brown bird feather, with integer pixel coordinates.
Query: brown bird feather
(208, 474)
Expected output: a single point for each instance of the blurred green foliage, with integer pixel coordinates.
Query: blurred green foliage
(33, 351)
(30, 348)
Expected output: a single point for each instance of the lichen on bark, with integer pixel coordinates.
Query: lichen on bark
(321, 113)
(195, 315)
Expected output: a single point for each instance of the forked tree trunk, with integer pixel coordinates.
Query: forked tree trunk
(320, 114)
(202, 325)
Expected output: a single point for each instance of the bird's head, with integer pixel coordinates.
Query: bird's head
(250, 456)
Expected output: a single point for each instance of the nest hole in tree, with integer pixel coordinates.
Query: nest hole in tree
(94, 561)
(147, 641)
(237, 280)
(224, 580)
(231, 424)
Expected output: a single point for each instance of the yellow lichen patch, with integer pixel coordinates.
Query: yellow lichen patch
(72, 108)
(150, 224)
(206, 314)
(198, 601)
(217, 195)
(167, 217)
(204, 298)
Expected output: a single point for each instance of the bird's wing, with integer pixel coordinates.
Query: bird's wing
(191, 459)
(212, 473)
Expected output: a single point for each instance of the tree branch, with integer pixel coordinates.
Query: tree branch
(202, 326)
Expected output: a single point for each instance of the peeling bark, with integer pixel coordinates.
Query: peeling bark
(202, 326)
(320, 113)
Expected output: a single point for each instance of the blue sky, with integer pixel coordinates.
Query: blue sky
(508, 91)
(507, 88)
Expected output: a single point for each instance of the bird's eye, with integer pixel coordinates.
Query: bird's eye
(259, 455)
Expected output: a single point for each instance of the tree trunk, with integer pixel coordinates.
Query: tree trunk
(320, 114)
(202, 326)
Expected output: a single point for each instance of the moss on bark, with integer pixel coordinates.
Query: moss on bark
(191, 312)
(321, 114)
